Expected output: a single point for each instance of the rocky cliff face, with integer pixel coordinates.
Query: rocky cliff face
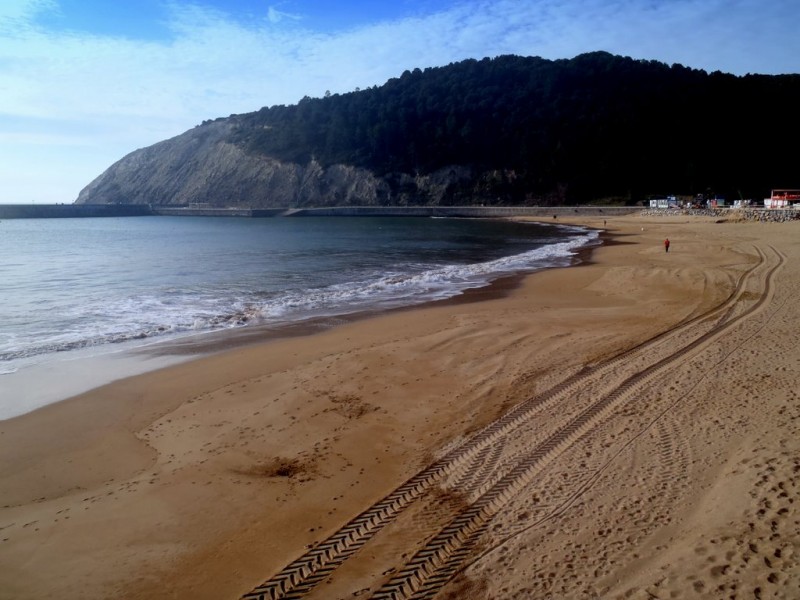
(204, 166)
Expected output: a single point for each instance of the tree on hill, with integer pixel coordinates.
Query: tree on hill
(597, 125)
(503, 130)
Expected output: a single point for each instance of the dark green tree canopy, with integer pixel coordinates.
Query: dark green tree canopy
(595, 126)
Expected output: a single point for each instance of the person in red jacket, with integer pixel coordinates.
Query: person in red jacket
(666, 245)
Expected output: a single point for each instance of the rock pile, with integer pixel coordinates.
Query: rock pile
(731, 214)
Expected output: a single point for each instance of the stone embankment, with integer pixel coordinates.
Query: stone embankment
(764, 215)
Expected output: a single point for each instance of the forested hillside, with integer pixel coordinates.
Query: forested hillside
(515, 130)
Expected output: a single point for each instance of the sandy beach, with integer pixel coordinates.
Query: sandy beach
(627, 428)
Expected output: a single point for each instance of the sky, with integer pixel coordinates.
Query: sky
(85, 82)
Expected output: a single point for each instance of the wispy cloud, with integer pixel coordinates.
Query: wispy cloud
(276, 16)
(18, 11)
(111, 95)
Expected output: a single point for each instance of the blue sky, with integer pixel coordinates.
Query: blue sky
(84, 82)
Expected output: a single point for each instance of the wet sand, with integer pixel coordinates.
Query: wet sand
(653, 451)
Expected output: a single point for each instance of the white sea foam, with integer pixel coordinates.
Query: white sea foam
(398, 289)
(101, 318)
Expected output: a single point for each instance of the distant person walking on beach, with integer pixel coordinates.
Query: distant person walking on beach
(666, 245)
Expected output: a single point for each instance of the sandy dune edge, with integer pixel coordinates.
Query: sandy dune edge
(670, 471)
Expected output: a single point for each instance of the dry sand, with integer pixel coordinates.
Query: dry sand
(651, 451)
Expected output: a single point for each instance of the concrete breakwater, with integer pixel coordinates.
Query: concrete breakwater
(58, 211)
(44, 211)
(47, 211)
(464, 211)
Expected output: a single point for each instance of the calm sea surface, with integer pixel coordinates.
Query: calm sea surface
(71, 284)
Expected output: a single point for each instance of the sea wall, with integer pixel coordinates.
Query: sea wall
(43, 211)
(51, 211)
(176, 211)
(460, 211)
(46, 211)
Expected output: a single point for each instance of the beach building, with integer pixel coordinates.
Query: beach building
(666, 202)
(783, 199)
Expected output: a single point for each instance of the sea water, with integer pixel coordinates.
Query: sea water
(68, 285)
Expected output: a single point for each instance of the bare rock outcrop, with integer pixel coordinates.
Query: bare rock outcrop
(206, 166)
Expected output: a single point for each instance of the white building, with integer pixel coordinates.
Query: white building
(782, 199)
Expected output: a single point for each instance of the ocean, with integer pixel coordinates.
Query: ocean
(99, 284)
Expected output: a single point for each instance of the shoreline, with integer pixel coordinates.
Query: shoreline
(227, 339)
(79, 371)
(206, 478)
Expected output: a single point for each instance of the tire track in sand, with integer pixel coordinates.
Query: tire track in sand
(443, 554)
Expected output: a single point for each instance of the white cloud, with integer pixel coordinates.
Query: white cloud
(19, 11)
(108, 96)
(276, 16)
